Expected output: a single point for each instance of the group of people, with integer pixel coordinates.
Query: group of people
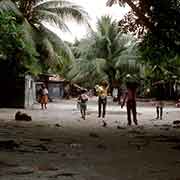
(129, 98)
(102, 92)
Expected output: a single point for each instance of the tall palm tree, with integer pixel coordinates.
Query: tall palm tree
(37, 13)
(86, 65)
(110, 50)
(116, 48)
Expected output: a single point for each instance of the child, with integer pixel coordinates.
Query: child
(159, 109)
(82, 100)
(160, 96)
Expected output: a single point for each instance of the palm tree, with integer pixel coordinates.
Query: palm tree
(37, 13)
(117, 48)
(17, 52)
(110, 50)
(87, 68)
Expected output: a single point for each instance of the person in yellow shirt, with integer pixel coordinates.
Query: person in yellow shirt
(102, 91)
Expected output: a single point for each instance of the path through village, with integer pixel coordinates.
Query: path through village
(58, 144)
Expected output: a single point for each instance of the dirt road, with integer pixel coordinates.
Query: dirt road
(58, 144)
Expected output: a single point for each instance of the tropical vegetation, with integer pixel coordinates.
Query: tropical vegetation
(145, 43)
(53, 52)
(156, 23)
(104, 54)
(17, 52)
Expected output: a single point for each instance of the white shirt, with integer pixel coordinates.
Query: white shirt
(45, 91)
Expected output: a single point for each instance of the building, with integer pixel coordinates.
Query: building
(54, 83)
(17, 93)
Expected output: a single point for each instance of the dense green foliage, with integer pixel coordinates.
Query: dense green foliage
(157, 24)
(105, 54)
(26, 45)
(17, 52)
(54, 54)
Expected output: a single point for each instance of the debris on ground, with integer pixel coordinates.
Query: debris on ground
(22, 170)
(65, 174)
(177, 122)
(101, 146)
(58, 125)
(119, 127)
(75, 145)
(8, 144)
(94, 135)
(45, 168)
(19, 116)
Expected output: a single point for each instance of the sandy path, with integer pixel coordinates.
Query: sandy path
(58, 144)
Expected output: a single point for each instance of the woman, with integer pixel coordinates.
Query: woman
(44, 97)
(82, 100)
(102, 91)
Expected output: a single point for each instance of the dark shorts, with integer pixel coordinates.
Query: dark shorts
(83, 105)
(102, 100)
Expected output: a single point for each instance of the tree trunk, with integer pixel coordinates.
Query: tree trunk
(145, 21)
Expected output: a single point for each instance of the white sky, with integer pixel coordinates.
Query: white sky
(95, 9)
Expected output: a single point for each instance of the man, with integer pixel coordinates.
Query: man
(130, 99)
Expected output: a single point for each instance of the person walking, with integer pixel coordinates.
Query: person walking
(115, 94)
(82, 100)
(102, 91)
(43, 97)
(160, 96)
(130, 99)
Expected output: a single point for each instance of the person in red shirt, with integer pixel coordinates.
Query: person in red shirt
(130, 99)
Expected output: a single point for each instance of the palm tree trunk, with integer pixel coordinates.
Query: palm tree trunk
(26, 7)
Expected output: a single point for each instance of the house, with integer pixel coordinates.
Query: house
(58, 87)
(54, 83)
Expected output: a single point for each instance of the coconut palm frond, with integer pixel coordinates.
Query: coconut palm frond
(103, 25)
(64, 9)
(100, 64)
(106, 53)
(111, 2)
(118, 52)
(51, 4)
(74, 71)
(83, 69)
(50, 17)
(49, 55)
(72, 12)
(28, 32)
(59, 45)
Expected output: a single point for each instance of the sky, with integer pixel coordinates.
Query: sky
(95, 9)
